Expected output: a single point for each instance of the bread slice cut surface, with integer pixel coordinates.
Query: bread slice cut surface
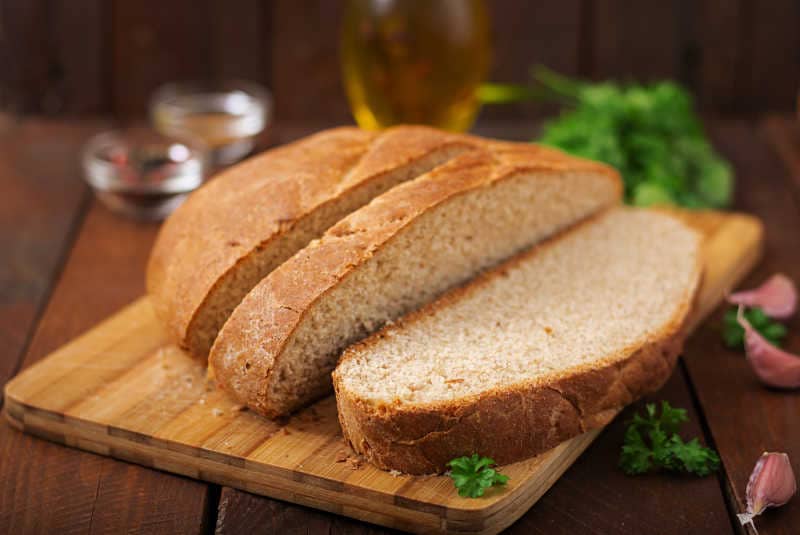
(402, 250)
(547, 346)
(247, 221)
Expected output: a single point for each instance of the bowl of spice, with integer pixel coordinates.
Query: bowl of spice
(226, 115)
(141, 173)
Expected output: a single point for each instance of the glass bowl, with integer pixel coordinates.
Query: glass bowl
(141, 173)
(226, 116)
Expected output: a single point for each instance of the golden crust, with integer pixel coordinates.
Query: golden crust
(278, 304)
(248, 206)
(507, 424)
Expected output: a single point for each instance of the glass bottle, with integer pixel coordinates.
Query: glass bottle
(415, 61)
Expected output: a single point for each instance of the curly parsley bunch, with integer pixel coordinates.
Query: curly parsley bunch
(650, 133)
(652, 442)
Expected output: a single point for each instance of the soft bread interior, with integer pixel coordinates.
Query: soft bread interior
(235, 284)
(442, 248)
(576, 303)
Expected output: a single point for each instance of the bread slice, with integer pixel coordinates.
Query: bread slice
(406, 247)
(251, 218)
(551, 344)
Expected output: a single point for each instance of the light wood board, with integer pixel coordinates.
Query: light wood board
(121, 390)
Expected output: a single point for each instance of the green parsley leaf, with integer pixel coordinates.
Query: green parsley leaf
(672, 418)
(652, 442)
(650, 133)
(636, 454)
(733, 333)
(473, 475)
(695, 458)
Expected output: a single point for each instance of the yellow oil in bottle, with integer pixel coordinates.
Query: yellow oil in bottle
(415, 61)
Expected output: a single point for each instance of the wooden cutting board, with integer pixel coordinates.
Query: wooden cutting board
(121, 390)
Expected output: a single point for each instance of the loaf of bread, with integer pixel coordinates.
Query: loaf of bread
(276, 351)
(547, 346)
(244, 223)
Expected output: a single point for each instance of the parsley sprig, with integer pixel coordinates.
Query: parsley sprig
(652, 442)
(473, 475)
(649, 132)
(733, 333)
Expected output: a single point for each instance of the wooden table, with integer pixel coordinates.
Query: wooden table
(67, 263)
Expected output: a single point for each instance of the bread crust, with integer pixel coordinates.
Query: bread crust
(245, 353)
(248, 207)
(514, 423)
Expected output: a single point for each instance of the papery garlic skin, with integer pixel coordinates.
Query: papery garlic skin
(771, 484)
(777, 297)
(773, 366)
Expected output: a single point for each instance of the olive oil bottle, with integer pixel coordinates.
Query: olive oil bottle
(415, 61)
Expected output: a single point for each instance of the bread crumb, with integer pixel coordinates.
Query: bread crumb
(395, 473)
(217, 412)
(341, 456)
(548, 330)
(284, 431)
(239, 408)
(354, 463)
(202, 401)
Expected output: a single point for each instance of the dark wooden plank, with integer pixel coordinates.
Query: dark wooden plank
(631, 39)
(305, 63)
(749, 55)
(721, 64)
(81, 34)
(240, 39)
(744, 417)
(784, 135)
(155, 42)
(42, 196)
(775, 61)
(241, 512)
(52, 489)
(525, 34)
(53, 55)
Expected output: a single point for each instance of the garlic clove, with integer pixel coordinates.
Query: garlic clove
(771, 484)
(777, 297)
(773, 366)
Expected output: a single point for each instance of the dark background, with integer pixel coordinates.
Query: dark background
(104, 57)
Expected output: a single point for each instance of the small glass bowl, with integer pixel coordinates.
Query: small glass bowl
(226, 116)
(141, 173)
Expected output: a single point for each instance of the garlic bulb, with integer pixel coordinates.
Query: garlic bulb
(773, 366)
(771, 484)
(777, 297)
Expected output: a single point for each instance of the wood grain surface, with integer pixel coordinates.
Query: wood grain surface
(63, 58)
(743, 416)
(121, 390)
(47, 488)
(51, 489)
(42, 196)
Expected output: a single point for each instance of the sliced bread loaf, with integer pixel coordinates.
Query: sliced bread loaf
(406, 247)
(551, 344)
(244, 223)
